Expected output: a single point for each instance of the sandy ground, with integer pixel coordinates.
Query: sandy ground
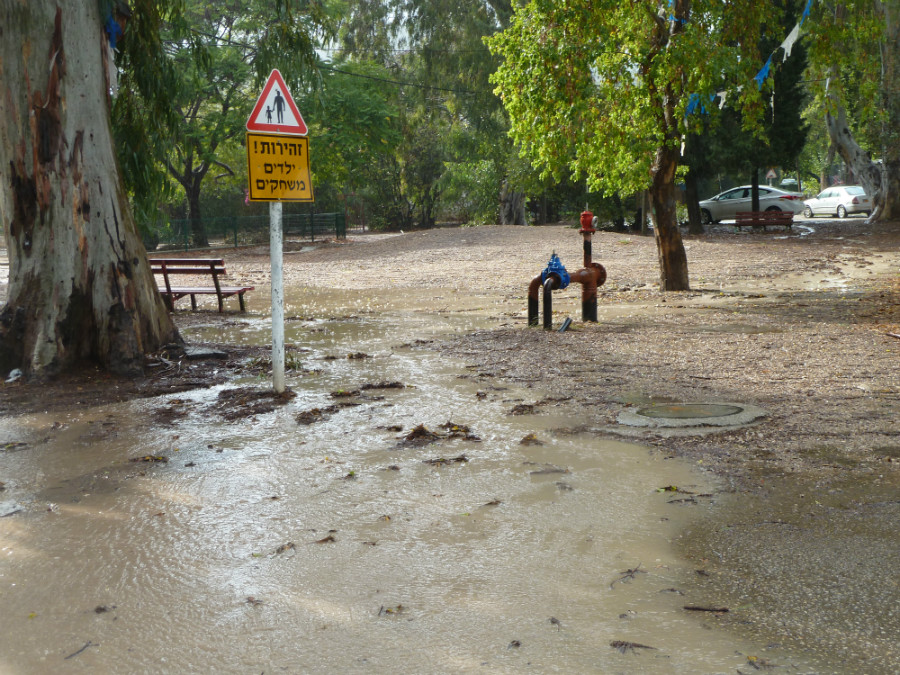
(798, 324)
(802, 325)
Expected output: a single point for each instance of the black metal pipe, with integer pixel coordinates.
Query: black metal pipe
(549, 283)
(532, 311)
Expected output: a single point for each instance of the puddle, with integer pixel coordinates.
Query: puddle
(266, 544)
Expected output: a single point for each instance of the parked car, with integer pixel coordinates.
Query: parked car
(725, 204)
(839, 201)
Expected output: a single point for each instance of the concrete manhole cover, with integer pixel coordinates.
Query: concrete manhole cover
(686, 415)
(684, 411)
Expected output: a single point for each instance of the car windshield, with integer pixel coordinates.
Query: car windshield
(856, 190)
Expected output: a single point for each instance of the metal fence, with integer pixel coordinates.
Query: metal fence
(234, 231)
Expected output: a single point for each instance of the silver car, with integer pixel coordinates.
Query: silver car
(726, 204)
(839, 201)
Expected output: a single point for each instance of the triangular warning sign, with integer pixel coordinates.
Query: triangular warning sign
(275, 111)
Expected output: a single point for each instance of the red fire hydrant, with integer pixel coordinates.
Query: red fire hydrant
(587, 222)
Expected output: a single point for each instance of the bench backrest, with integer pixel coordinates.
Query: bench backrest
(215, 267)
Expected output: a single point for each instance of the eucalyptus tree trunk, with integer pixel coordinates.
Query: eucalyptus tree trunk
(880, 180)
(80, 288)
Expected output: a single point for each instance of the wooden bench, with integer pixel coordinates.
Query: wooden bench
(214, 267)
(763, 218)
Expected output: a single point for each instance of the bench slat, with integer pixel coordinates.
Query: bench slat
(188, 270)
(187, 261)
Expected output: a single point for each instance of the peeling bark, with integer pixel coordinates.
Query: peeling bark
(80, 288)
(866, 171)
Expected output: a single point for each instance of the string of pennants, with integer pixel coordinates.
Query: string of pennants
(787, 45)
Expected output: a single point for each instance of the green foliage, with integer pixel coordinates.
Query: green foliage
(434, 54)
(855, 54)
(595, 88)
(469, 191)
(351, 116)
(191, 73)
(142, 111)
(845, 52)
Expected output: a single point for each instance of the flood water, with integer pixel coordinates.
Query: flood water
(266, 545)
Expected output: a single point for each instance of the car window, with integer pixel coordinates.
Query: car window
(732, 194)
(856, 190)
(825, 194)
(763, 191)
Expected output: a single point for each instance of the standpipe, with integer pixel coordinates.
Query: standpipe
(554, 277)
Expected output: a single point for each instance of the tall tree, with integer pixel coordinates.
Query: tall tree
(437, 47)
(855, 50)
(80, 287)
(232, 44)
(601, 88)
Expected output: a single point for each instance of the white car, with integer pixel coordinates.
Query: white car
(726, 204)
(839, 201)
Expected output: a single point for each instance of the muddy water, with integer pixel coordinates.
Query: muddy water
(265, 545)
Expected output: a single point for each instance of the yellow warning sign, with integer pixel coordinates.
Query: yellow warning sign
(278, 168)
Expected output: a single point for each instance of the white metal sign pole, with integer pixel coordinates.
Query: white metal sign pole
(276, 257)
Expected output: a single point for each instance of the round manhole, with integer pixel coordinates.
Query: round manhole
(691, 415)
(684, 411)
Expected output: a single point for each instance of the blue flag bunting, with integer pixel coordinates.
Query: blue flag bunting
(764, 73)
(694, 99)
(805, 14)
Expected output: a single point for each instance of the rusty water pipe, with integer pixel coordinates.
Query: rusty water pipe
(591, 277)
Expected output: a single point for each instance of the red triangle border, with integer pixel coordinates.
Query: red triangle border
(288, 130)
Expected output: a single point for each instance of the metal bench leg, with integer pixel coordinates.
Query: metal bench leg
(193, 301)
(241, 300)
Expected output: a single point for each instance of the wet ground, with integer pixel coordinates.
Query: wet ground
(397, 514)
(510, 532)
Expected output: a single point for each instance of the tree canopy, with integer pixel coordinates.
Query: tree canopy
(602, 89)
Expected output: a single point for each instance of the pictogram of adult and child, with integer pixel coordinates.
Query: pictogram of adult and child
(279, 108)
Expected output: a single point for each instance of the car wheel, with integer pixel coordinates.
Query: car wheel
(808, 212)
(842, 212)
(705, 217)
(773, 208)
